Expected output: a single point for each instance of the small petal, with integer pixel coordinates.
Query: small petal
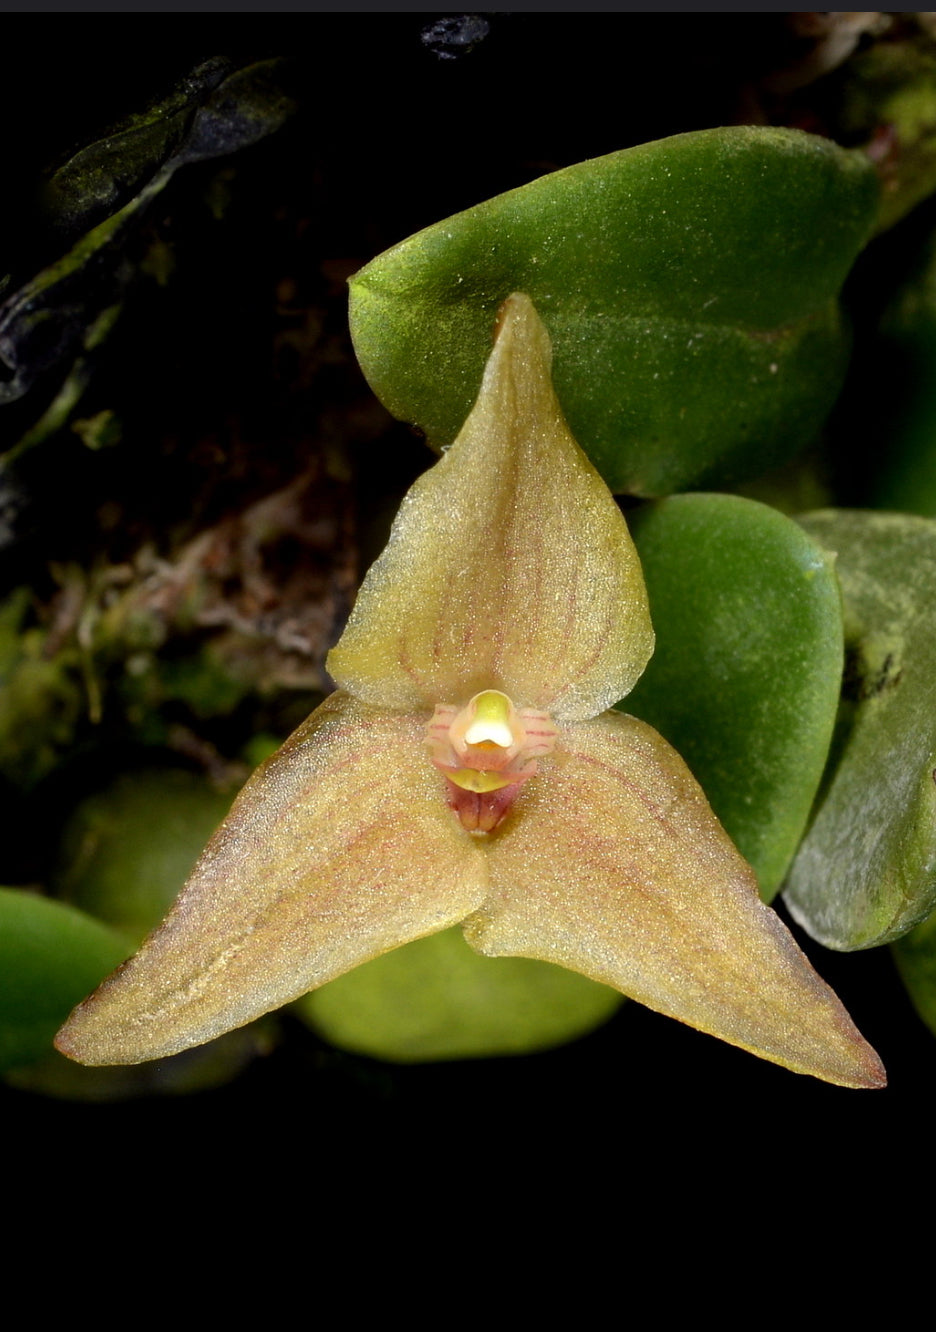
(613, 864)
(509, 566)
(339, 848)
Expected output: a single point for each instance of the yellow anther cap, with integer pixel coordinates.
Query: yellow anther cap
(491, 720)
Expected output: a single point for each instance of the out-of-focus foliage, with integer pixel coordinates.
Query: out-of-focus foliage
(93, 203)
(214, 1065)
(127, 850)
(899, 396)
(915, 955)
(439, 999)
(251, 599)
(40, 698)
(886, 97)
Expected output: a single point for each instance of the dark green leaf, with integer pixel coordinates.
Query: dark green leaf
(886, 96)
(915, 955)
(744, 681)
(197, 1070)
(866, 871)
(898, 399)
(689, 287)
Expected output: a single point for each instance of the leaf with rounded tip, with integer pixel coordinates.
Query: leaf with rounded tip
(50, 955)
(338, 848)
(616, 867)
(436, 998)
(745, 679)
(866, 870)
(689, 287)
(509, 565)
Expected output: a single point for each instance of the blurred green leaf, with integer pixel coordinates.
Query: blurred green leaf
(744, 681)
(866, 870)
(689, 286)
(51, 956)
(899, 399)
(201, 1069)
(886, 96)
(915, 955)
(127, 850)
(437, 998)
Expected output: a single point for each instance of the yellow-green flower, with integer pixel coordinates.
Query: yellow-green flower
(467, 771)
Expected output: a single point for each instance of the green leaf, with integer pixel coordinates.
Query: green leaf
(51, 956)
(866, 870)
(688, 285)
(437, 998)
(128, 849)
(744, 681)
(899, 398)
(915, 955)
(208, 1066)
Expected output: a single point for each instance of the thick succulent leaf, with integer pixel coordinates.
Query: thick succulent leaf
(509, 565)
(866, 870)
(613, 864)
(339, 848)
(689, 286)
(915, 955)
(745, 679)
(50, 955)
(438, 999)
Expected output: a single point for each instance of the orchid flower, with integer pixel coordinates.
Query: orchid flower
(467, 770)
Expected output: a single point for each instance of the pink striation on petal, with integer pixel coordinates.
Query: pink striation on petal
(613, 864)
(339, 848)
(509, 566)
